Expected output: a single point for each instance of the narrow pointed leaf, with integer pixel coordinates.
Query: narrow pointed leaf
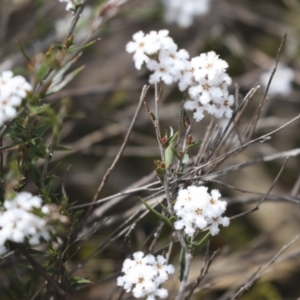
(160, 216)
(66, 80)
(197, 245)
(169, 152)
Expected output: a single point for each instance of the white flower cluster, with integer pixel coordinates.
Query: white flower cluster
(196, 208)
(12, 90)
(70, 4)
(144, 275)
(183, 12)
(204, 76)
(209, 91)
(18, 221)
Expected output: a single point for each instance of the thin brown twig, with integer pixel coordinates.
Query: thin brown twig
(211, 177)
(296, 187)
(76, 18)
(243, 14)
(204, 270)
(262, 269)
(100, 211)
(80, 226)
(41, 271)
(289, 153)
(264, 99)
(259, 139)
(156, 123)
(256, 207)
(166, 185)
(236, 114)
(147, 187)
(235, 118)
(267, 158)
(205, 142)
(8, 254)
(242, 201)
(110, 169)
(156, 235)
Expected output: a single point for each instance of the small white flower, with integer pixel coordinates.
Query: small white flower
(209, 89)
(196, 208)
(204, 77)
(144, 274)
(140, 46)
(12, 90)
(25, 201)
(215, 222)
(208, 65)
(18, 221)
(161, 72)
(185, 75)
(160, 41)
(197, 107)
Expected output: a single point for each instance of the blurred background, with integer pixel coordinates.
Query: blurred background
(103, 99)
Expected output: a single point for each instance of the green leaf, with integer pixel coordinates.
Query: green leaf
(54, 169)
(160, 216)
(37, 110)
(62, 148)
(193, 144)
(40, 131)
(75, 281)
(197, 245)
(65, 81)
(169, 152)
(43, 70)
(172, 219)
(27, 58)
(60, 73)
(38, 148)
(75, 48)
(37, 175)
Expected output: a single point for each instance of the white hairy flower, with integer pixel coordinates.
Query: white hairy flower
(209, 90)
(204, 77)
(145, 45)
(196, 208)
(143, 276)
(18, 220)
(12, 90)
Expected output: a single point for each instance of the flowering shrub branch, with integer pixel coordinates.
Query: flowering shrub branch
(159, 224)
